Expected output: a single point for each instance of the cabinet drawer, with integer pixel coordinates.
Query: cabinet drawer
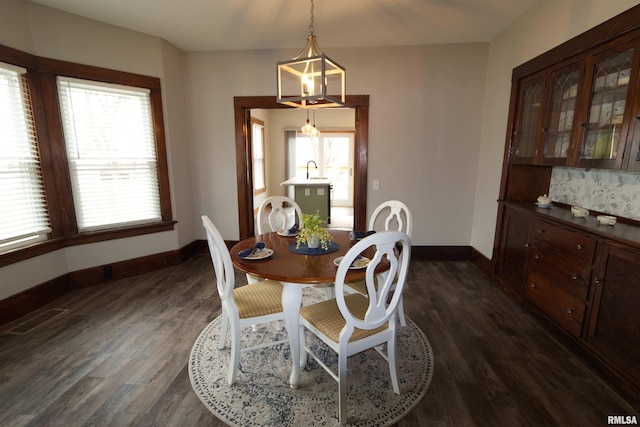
(562, 307)
(568, 242)
(569, 274)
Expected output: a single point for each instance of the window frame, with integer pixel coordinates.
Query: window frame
(42, 76)
(21, 120)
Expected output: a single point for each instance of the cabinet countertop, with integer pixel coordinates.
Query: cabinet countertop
(307, 182)
(621, 232)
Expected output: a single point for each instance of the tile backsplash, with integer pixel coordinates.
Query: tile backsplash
(612, 192)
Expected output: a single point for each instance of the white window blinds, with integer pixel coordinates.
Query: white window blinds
(23, 207)
(111, 151)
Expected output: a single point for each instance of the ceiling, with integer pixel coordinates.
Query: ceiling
(197, 25)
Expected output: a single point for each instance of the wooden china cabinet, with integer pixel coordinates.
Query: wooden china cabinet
(576, 106)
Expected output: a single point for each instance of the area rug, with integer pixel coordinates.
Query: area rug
(261, 395)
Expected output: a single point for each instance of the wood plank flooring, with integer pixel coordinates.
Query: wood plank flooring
(117, 355)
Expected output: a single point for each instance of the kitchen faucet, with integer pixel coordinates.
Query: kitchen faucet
(310, 161)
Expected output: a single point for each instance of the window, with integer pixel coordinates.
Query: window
(333, 152)
(259, 169)
(23, 207)
(111, 152)
(82, 155)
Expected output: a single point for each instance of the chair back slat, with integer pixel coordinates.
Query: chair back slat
(381, 309)
(278, 219)
(398, 214)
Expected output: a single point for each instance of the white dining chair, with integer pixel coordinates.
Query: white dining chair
(245, 306)
(275, 212)
(274, 215)
(352, 323)
(390, 215)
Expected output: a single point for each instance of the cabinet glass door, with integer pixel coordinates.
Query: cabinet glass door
(528, 121)
(609, 91)
(560, 120)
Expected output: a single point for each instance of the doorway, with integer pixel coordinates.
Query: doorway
(244, 173)
(333, 152)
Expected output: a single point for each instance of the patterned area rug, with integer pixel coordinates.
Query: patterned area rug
(261, 395)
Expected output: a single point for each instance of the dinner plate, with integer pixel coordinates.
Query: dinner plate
(261, 254)
(359, 263)
(286, 233)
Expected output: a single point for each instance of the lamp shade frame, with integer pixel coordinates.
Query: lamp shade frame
(322, 71)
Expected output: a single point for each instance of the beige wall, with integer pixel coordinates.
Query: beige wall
(423, 134)
(544, 26)
(49, 33)
(437, 121)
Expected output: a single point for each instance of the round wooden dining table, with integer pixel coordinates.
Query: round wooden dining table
(295, 271)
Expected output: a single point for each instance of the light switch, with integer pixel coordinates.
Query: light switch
(376, 184)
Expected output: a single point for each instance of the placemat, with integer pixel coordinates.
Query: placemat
(305, 250)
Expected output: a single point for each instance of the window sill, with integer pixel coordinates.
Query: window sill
(41, 248)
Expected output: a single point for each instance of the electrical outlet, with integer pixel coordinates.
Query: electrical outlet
(108, 271)
(376, 184)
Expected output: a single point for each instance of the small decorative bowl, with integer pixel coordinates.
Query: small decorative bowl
(606, 219)
(579, 212)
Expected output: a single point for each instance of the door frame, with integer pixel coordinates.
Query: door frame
(242, 106)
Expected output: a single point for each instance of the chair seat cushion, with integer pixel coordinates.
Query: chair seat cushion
(258, 299)
(325, 316)
(359, 286)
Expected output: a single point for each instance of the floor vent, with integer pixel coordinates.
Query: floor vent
(28, 325)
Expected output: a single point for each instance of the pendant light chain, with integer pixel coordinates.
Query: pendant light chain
(311, 23)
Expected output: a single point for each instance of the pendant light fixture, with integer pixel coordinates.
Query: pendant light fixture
(315, 133)
(307, 128)
(311, 79)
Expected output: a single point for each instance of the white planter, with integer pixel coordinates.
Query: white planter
(313, 242)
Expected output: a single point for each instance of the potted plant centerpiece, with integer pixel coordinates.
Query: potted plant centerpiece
(313, 233)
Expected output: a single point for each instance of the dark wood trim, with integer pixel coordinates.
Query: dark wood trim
(42, 74)
(441, 253)
(361, 162)
(162, 164)
(50, 245)
(242, 106)
(61, 203)
(482, 262)
(23, 303)
(81, 71)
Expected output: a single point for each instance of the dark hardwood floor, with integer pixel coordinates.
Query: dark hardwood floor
(117, 355)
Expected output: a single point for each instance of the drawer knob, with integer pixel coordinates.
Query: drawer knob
(526, 245)
(574, 276)
(571, 311)
(580, 247)
(533, 285)
(536, 256)
(598, 281)
(541, 231)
